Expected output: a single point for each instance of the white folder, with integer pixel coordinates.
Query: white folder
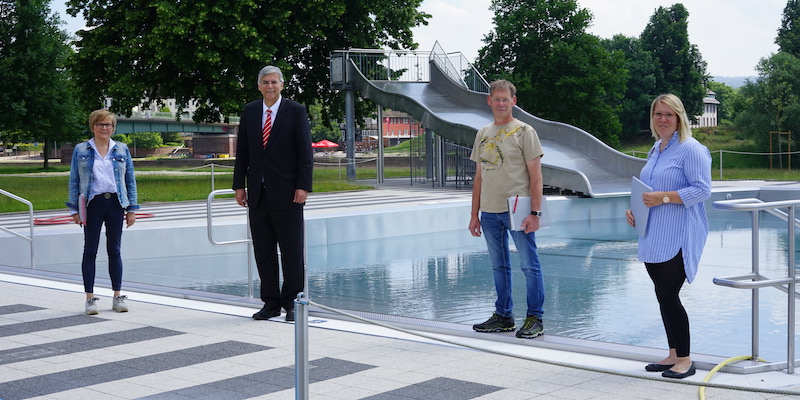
(519, 207)
(640, 211)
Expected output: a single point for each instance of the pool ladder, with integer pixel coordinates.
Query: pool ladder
(29, 238)
(754, 280)
(214, 242)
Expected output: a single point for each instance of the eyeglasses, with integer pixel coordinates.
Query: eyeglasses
(662, 115)
(104, 125)
(503, 100)
(265, 83)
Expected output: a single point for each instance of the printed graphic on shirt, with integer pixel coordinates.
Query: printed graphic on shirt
(489, 148)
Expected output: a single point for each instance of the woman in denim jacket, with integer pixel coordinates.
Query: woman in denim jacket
(101, 179)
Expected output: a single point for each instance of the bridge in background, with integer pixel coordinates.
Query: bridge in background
(155, 124)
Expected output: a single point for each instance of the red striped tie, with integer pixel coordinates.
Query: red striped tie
(267, 128)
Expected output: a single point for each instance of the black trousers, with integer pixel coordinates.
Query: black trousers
(668, 278)
(272, 228)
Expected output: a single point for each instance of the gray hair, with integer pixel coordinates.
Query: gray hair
(269, 69)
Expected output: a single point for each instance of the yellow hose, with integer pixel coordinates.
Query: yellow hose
(702, 390)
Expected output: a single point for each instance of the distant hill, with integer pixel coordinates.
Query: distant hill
(733, 81)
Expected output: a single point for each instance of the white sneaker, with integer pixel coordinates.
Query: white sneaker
(91, 306)
(119, 304)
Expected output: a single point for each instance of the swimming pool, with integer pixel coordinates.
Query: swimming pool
(595, 287)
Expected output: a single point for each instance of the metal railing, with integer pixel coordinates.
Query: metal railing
(28, 239)
(413, 66)
(247, 241)
(754, 280)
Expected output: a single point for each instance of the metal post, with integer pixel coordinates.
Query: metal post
(350, 133)
(212, 176)
(379, 162)
(720, 164)
(301, 347)
(791, 293)
(430, 154)
(754, 306)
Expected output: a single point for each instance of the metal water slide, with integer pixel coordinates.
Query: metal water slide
(573, 159)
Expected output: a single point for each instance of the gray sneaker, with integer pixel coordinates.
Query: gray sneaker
(531, 328)
(496, 323)
(119, 304)
(91, 306)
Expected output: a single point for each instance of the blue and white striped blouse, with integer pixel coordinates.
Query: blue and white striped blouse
(684, 167)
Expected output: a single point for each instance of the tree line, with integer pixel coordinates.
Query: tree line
(210, 51)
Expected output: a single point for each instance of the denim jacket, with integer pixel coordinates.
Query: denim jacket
(81, 169)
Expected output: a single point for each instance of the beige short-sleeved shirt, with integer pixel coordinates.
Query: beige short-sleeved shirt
(503, 152)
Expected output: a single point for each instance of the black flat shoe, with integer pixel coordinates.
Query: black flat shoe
(289, 315)
(266, 313)
(657, 367)
(679, 375)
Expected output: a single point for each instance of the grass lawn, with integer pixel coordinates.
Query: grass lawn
(48, 192)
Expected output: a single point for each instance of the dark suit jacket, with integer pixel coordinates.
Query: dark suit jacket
(287, 162)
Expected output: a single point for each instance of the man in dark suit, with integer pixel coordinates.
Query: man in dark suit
(274, 160)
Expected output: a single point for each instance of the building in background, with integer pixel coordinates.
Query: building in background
(710, 108)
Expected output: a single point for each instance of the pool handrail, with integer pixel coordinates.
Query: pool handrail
(246, 241)
(28, 239)
(754, 280)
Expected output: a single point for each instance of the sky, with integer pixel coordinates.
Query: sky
(732, 35)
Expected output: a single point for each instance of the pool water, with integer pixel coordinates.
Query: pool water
(596, 289)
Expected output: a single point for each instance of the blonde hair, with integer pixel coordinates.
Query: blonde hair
(102, 115)
(673, 102)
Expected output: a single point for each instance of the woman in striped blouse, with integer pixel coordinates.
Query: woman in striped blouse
(679, 171)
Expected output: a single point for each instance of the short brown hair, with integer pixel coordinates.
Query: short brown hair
(102, 115)
(502, 84)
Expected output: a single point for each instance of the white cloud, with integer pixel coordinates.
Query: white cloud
(732, 35)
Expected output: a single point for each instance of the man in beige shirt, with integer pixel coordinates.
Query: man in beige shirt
(509, 155)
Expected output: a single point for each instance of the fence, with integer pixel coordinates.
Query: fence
(740, 160)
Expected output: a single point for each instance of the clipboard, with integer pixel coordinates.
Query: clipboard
(82, 208)
(640, 211)
(519, 207)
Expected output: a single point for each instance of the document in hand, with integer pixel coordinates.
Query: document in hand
(519, 207)
(82, 208)
(640, 211)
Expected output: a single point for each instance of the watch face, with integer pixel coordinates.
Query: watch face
(665, 199)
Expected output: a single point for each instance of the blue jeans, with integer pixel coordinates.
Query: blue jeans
(496, 227)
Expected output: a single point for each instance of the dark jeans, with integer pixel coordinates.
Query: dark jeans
(99, 211)
(668, 278)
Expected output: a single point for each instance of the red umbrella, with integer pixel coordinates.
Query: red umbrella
(324, 143)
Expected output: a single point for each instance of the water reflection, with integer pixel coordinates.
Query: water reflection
(595, 287)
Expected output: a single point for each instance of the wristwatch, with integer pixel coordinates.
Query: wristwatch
(666, 198)
(536, 213)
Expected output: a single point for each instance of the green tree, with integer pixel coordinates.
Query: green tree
(681, 69)
(730, 102)
(319, 130)
(634, 113)
(788, 39)
(145, 140)
(212, 50)
(36, 94)
(772, 102)
(542, 47)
